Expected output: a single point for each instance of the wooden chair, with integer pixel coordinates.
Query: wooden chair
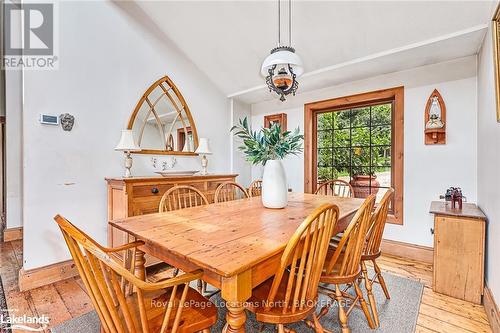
(127, 304)
(255, 188)
(336, 187)
(229, 191)
(372, 251)
(291, 295)
(343, 267)
(182, 196)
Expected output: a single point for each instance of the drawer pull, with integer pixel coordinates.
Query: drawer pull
(155, 190)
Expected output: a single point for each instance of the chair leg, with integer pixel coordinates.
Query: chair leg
(315, 324)
(342, 313)
(371, 298)
(199, 286)
(381, 279)
(364, 306)
(203, 287)
(281, 328)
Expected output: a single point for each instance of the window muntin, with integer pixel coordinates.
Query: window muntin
(356, 141)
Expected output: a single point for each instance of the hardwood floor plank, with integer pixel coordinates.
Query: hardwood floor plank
(48, 302)
(421, 329)
(9, 267)
(439, 326)
(17, 246)
(74, 298)
(454, 319)
(459, 307)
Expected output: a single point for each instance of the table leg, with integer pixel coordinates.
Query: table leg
(140, 268)
(235, 291)
(235, 318)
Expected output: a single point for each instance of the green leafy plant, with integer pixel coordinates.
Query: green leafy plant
(268, 143)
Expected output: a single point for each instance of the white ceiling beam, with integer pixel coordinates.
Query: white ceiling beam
(376, 56)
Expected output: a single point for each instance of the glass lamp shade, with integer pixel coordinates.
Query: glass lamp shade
(203, 147)
(127, 142)
(283, 80)
(282, 57)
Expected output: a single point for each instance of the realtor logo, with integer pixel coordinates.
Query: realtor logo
(29, 36)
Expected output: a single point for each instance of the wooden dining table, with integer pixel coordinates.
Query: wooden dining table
(238, 244)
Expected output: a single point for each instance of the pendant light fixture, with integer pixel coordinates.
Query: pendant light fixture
(283, 66)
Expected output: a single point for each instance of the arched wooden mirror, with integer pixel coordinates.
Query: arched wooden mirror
(162, 123)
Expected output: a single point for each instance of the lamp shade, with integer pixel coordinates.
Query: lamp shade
(127, 142)
(282, 57)
(203, 147)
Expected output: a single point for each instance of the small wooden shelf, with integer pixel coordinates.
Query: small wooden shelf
(435, 136)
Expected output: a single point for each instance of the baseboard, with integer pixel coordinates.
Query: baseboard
(491, 308)
(42, 276)
(408, 251)
(12, 234)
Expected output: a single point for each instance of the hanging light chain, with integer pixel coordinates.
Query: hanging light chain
(289, 22)
(279, 23)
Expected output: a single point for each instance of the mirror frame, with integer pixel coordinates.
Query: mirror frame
(144, 99)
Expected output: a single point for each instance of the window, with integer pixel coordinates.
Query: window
(358, 139)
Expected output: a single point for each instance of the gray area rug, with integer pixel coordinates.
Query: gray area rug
(397, 315)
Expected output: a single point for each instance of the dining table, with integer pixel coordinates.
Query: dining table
(238, 244)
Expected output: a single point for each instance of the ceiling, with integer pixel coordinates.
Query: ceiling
(337, 41)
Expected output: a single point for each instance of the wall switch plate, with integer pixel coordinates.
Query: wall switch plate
(48, 119)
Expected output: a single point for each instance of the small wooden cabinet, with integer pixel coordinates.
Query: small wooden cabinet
(459, 241)
(141, 195)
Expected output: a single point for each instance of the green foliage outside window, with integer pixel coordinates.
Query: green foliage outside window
(354, 142)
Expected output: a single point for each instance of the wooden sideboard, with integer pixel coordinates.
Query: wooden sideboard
(459, 239)
(141, 195)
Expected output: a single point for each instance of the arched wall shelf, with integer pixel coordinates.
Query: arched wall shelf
(435, 136)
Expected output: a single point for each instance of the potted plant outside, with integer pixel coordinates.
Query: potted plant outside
(363, 181)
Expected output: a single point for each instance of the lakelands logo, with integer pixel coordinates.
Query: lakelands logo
(24, 322)
(30, 36)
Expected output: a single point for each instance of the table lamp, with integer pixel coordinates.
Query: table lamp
(127, 145)
(203, 149)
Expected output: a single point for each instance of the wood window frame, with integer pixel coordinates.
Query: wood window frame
(311, 110)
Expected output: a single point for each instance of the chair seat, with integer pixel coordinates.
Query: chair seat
(275, 315)
(334, 242)
(198, 313)
(334, 277)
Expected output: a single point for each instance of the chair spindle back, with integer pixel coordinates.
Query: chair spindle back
(255, 188)
(377, 226)
(352, 242)
(336, 187)
(229, 191)
(304, 255)
(182, 196)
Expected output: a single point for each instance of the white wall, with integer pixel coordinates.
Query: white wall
(13, 141)
(429, 170)
(109, 54)
(489, 162)
(239, 165)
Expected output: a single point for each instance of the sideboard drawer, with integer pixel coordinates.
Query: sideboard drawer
(139, 191)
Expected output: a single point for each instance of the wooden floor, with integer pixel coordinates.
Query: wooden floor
(67, 299)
